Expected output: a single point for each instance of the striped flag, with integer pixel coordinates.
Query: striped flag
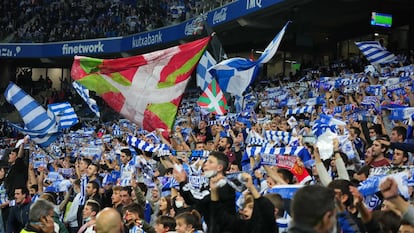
(285, 157)
(65, 114)
(145, 146)
(324, 123)
(299, 110)
(235, 74)
(40, 124)
(375, 53)
(280, 136)
(273, 46)
(204, 77)
(213, 99)
(116, 130)
(84, 93)
(300, 151)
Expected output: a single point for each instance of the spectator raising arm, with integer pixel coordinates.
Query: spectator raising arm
(389, 190)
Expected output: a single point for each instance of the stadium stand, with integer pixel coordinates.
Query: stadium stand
(52, 20)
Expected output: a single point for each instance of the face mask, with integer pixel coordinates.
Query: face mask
(373, 138)
(179, 204)
(209, 174)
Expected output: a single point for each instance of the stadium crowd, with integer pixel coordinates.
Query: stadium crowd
(330, 152)
(52, 20)
(326, 150)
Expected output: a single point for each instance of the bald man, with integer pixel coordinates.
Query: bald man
(108, 220)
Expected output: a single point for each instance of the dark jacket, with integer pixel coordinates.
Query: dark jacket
(297, 228)
(261, 221)
(18, 216)
(201, 201)
(16, 177)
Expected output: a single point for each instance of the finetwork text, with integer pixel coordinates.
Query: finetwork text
(76, 49)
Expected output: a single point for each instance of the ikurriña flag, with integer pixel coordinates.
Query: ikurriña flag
(146, 89)
(213, 99)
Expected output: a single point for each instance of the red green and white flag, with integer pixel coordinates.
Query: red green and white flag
(146, 89)
(213, 99)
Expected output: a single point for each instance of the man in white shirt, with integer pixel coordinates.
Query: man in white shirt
(71, 216)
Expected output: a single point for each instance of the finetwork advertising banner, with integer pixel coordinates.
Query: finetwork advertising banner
(161, 36)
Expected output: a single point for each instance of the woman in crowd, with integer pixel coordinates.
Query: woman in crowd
(188, 222)
(165, 206)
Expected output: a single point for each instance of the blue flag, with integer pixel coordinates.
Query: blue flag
(40, 124)
(84, 93)
(65, 114)
(374, 52)
(203, 76)
(235, 74)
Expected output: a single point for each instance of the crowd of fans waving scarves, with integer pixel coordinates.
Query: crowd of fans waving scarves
(234, 173)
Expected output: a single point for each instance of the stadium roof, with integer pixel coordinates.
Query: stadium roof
(316, 25)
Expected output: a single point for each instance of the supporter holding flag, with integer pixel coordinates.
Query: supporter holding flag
(337, 163)
(17, 174)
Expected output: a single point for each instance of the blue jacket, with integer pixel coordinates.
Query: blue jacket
(18, 216)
